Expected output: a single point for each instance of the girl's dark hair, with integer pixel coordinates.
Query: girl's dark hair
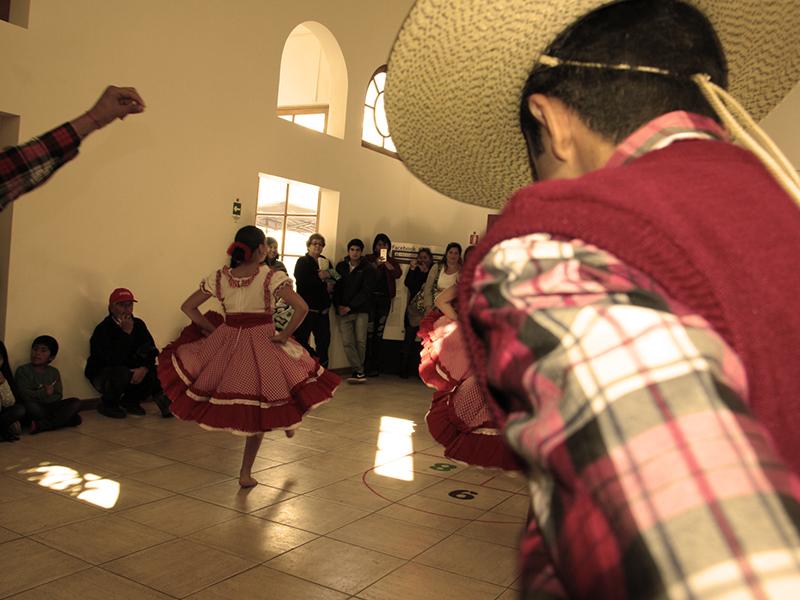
(381, 237)
(6, 370)
(426, 250)
(355, 242)
(467, 251)
(668, 34)
(446, 250)
(249, 235)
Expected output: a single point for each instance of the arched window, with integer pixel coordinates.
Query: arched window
(375, 130)
(313, 82)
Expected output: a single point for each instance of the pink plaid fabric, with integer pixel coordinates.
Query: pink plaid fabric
(648, 476)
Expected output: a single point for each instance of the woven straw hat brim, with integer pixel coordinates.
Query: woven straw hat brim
(458, 67)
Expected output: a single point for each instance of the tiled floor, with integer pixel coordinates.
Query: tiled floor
(150, 508)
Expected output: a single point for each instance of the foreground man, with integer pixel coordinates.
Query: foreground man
(630, 314)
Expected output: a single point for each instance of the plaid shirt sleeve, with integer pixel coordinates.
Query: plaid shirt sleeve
(25, 167)
(648, 476)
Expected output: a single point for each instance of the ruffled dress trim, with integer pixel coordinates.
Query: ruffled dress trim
(459, 418)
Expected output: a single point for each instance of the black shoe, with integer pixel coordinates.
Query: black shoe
(357, 378)
(74, 420)
(115, 412)
(135, 409)
(163, 403)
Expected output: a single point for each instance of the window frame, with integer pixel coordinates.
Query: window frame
(370, 145)
(286, 214)
(305, 109)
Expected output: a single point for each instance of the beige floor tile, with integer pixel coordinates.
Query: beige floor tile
(430, 512)
(13, 489)
(179, 477)
(179, 568)
(496, 528)
(335, 564)
(7, 535)
(179, 515)
(509, 594)
(473, 558)
(134, 493)
(311, 514)
(179, 449)
(253, 538)
(103, 539)
(443, 468)
(128, 460)
(43, 511)
(26, 564)
(296, 478)
(229, 462)
(255, 582)
(418, 582)
(390, 536)
(419, 482)
(316, 440)
(469, 494)
(502, 480)
(130, 437)
(78, 447)
(284, 452)
(230, 495)
(331, 462)
(92, 584)
(355, 493)
(515, 506)
(218, 439)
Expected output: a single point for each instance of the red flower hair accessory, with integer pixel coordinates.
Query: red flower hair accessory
(244, 247)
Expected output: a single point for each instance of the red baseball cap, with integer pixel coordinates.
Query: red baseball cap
(121, 295)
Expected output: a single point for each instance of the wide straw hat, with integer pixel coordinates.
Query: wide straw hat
(458, 67)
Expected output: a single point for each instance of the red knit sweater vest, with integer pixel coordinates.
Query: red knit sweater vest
(707, 222)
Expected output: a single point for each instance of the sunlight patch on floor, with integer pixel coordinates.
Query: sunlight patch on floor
(90, 488)
(394, 456)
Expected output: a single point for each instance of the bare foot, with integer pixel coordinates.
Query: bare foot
(289, 433)
(247, 481)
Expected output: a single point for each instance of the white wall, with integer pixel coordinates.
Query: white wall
(147, 203)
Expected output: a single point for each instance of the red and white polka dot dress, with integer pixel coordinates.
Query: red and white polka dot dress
(237, 379)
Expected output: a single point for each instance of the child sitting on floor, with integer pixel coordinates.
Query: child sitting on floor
(10, 411)
(40, 389)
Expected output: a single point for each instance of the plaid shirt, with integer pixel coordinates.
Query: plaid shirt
(25, 167)
(648, 476)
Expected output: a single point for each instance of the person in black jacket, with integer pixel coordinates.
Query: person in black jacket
(121, 364)
(312, 286)
(352, 297)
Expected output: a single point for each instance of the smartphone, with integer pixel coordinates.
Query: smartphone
(384, 254)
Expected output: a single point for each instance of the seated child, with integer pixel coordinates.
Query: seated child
(40, 390)
(10, 411)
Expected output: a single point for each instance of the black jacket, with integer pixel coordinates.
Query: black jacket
(310, 287)
(415, 279)
(112, 347)
(355, 288)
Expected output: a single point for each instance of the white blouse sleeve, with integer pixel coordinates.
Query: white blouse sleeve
(279, 279)
(209, 284)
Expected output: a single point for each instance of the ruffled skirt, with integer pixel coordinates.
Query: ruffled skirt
(459, 417)
(237, 380)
